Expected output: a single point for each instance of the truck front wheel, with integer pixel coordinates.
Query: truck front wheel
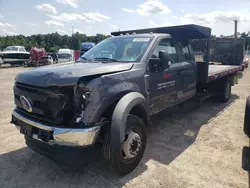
(132, 148)
(225, 91)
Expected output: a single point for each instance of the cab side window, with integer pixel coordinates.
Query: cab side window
(185, 54)
(165, 45)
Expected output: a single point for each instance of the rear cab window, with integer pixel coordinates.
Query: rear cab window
(185, 51)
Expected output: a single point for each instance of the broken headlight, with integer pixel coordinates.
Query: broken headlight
(82, 93)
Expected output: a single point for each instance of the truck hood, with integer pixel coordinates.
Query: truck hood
(66, 74)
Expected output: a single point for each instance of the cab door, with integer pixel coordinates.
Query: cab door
(163, 78)
(187, 72)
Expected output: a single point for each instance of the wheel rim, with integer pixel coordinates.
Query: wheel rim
(131, 146)
(227, 90)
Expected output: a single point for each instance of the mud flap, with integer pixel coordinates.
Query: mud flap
(234, 79)
(119, 118)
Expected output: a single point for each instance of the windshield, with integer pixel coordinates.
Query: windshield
(64, 56)
(128, 49)
(248, 52)
(11, 48)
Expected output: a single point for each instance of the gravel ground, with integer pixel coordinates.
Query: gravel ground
(195, 146)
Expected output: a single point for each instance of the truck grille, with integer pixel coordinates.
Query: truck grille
(48, 105)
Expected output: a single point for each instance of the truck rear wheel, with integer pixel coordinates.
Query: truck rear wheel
(132, 148)
(242, 68)
(247, 118)
(225, 91)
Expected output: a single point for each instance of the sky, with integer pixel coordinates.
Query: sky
(29, 17)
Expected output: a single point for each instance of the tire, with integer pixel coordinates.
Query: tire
(224, 91)
(116, 160)
(247, 118)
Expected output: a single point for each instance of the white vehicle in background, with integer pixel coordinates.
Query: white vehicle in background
(14, 55)
(66, 55)
(1, 60)
(247, 57)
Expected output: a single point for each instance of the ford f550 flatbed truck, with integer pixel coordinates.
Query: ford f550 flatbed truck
(106, 98)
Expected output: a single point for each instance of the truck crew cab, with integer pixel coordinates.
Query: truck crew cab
(105, 100)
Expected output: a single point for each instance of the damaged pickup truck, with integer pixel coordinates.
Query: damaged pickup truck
(105, 99)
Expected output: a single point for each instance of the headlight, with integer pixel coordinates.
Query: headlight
(82, 93)
(81, 98)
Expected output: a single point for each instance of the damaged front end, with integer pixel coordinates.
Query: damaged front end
(66, 125)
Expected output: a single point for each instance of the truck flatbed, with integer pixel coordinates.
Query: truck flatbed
(219, 71)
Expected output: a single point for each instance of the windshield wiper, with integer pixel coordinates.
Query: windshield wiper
(84, 58)
(106, 59)
(81, 59)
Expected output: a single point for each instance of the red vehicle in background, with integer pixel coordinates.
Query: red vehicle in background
(35, 55)
(77, 54)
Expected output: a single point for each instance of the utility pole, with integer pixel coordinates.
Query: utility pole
(235, 29)
(72, 37)
(72, 40)
(235, 40)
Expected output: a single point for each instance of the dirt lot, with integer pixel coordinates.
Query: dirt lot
(196, 146)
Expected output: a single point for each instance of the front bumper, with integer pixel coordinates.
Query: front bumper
(57, 136)
(73, 157)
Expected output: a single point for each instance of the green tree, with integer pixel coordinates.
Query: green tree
(51, 42)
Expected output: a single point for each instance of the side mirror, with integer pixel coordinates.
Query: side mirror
(155, 65)
(165, 57)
